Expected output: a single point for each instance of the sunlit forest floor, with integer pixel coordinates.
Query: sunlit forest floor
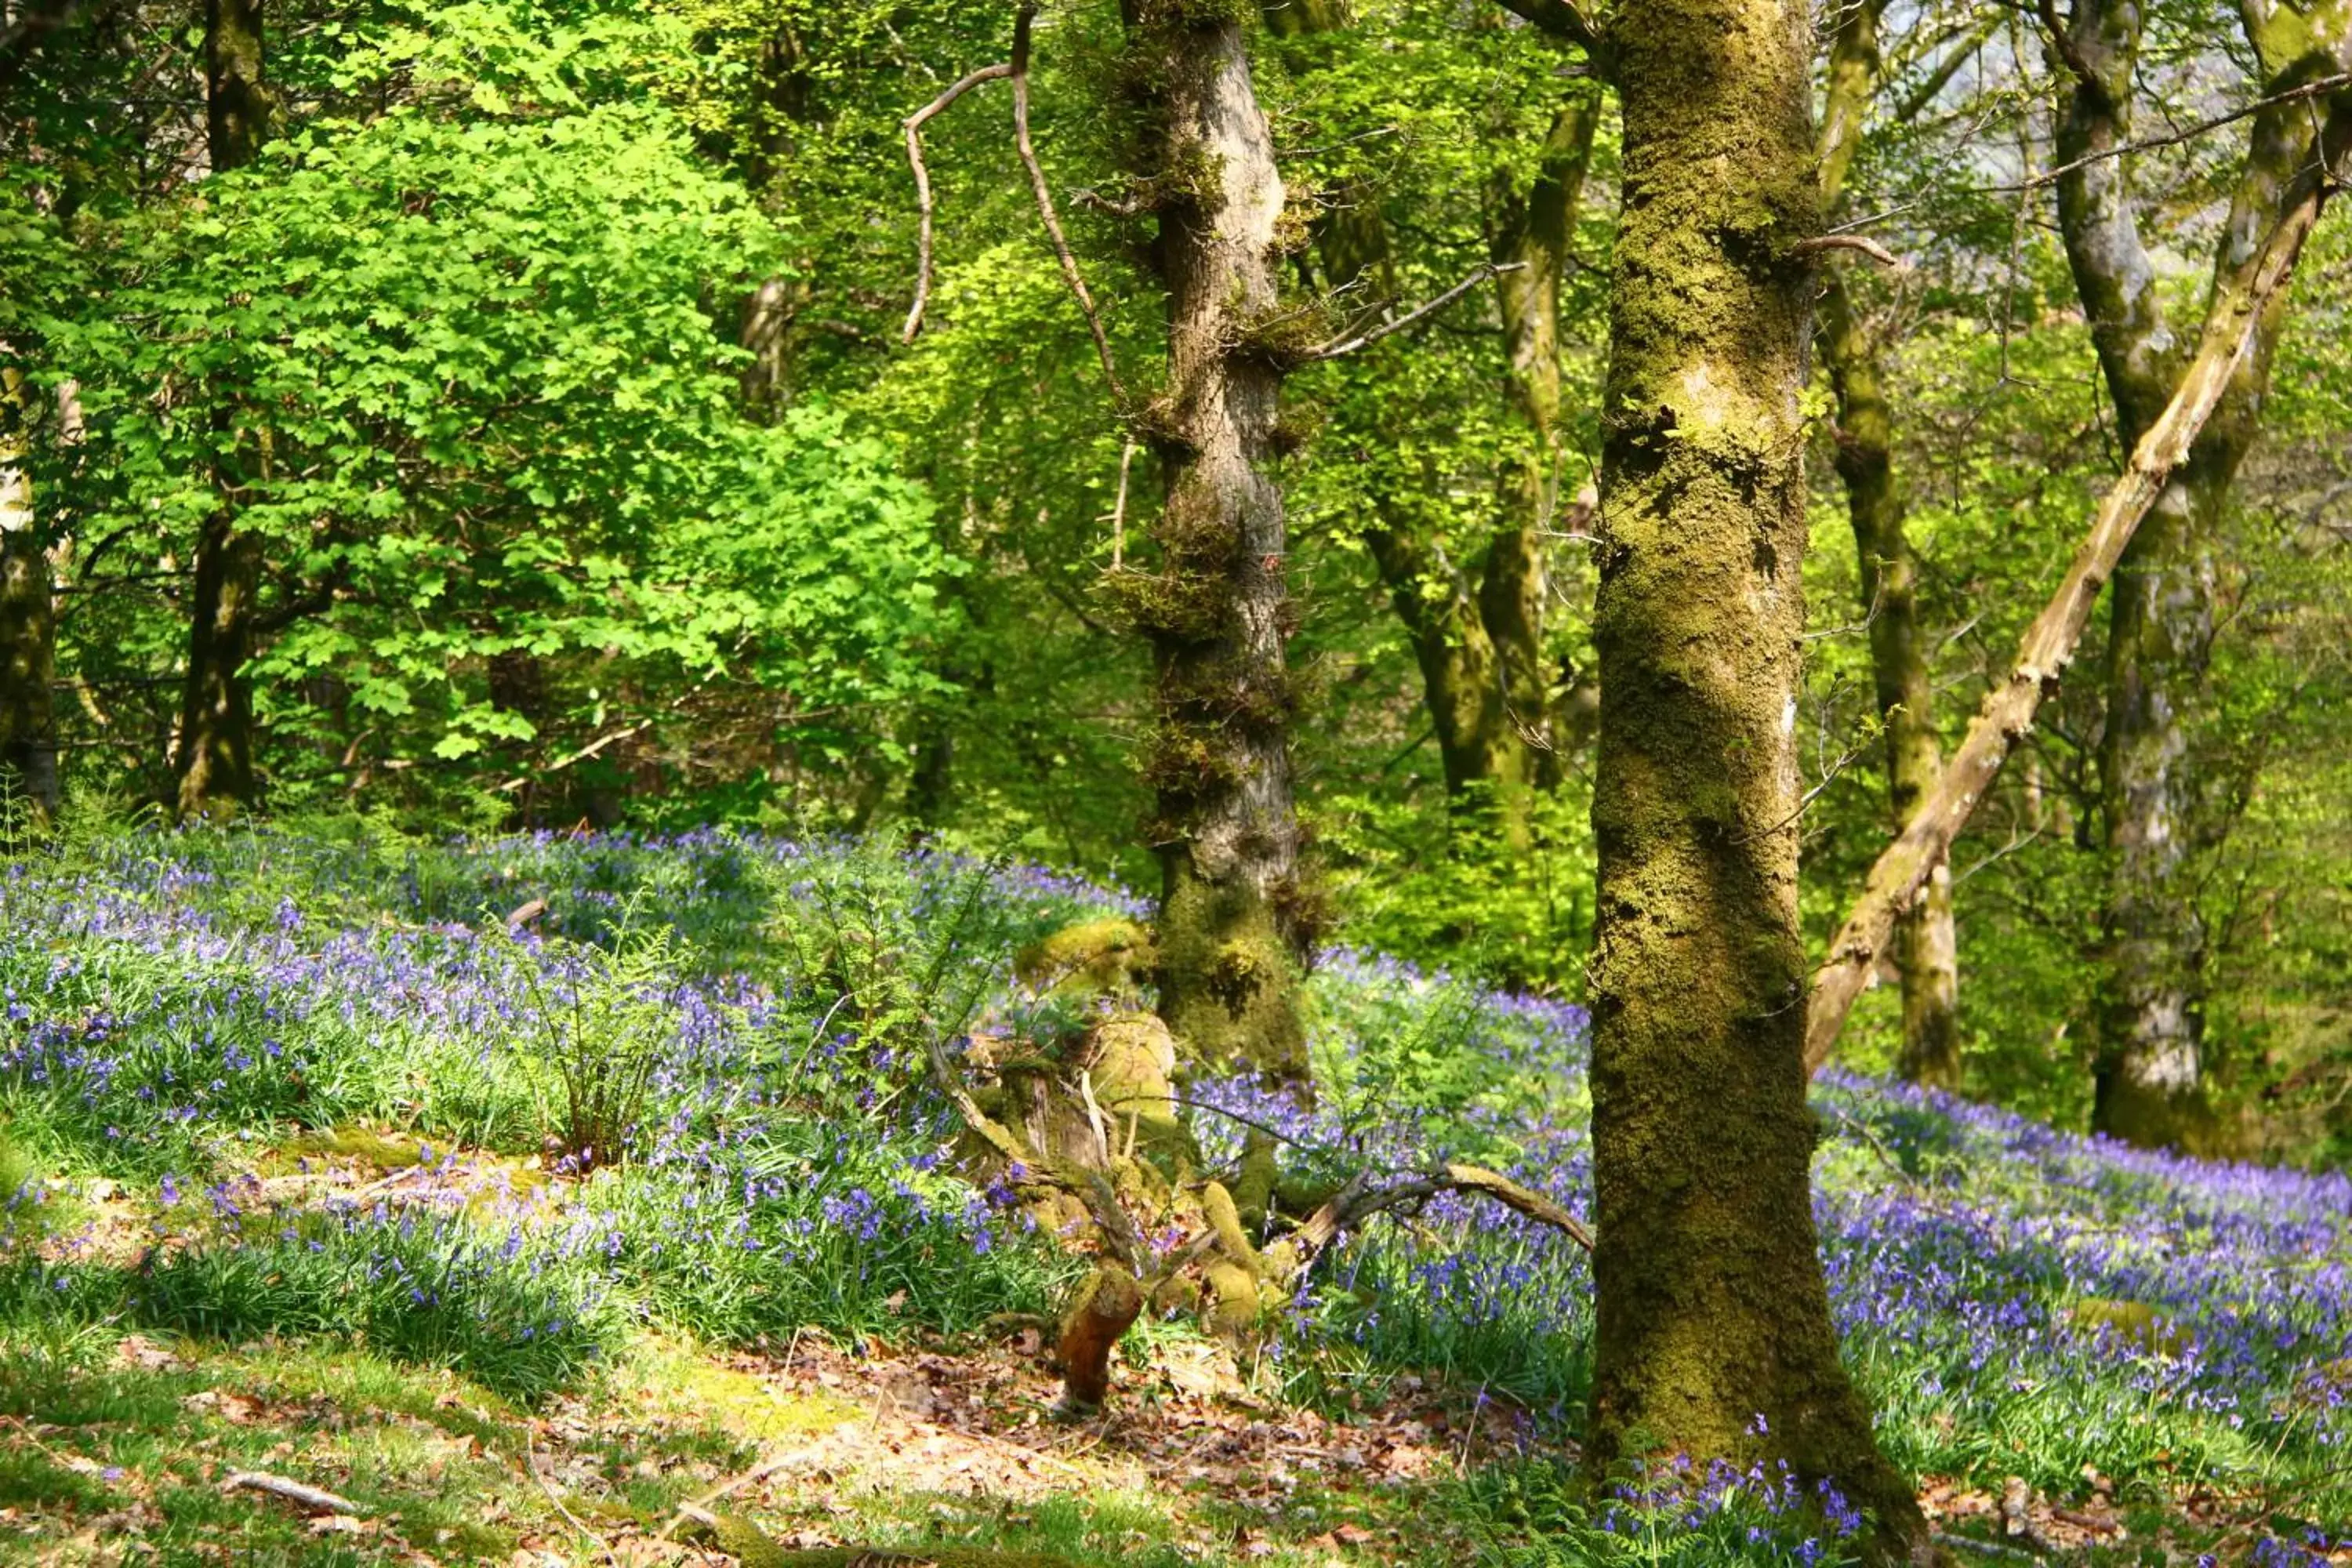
(292, 1191)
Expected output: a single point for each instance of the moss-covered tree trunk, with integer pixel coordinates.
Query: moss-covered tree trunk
(2150, 1016)
(1927, 944)
(1219, 612)
(29, 743)
(1715, 1337)
(214, 763)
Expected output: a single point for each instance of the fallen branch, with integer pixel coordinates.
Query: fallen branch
(913, 126)
(1337, 347)
(1359, 1200)
(1019, 70)
(311, 1498)
(2049, 644)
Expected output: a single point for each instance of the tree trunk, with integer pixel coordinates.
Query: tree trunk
(214, 765)
(1219, 613)
(2150, 1015)
(1538, 234)
(28, 741)
(2244, 308)
(1714, 1337)
(1927, 945)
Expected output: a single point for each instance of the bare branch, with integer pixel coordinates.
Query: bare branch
(1020, 71)
(1334, 350)
(2319, 88)
(913, 126)
(1863, 243)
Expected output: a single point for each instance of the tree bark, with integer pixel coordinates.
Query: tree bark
(28, 741)
(214, 763)
(1218, 613)
(1714, 1337)
(2251, 295)
(1927, 944)
(2150, 1013)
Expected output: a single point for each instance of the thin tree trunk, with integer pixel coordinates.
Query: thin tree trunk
(2150, 1017)
(2251, 295)
(1538, 239)
(1477, 628)
(1927, 945)
(214, 764)
(1714, 1337)
(28, 741)
(1219, 613)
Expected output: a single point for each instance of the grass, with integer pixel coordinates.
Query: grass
(411, 1197)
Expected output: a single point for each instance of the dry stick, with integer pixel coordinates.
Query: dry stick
(1019, 70)
(913, 126)
(311, 1498)
(1366, 340)
(1869, 247)
(530, 1463)
(2009, 709)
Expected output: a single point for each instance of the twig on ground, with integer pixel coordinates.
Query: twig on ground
(531, 1464)
(312, 1498)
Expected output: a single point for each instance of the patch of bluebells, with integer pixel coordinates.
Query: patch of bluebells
(788, 1170)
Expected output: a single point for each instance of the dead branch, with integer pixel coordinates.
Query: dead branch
(1019, 71)
(295, 1493)
(1359, 1200)
(1336, 348)
(2049, 644)
(913, 126)
(1870, 248)
(2320, 88)
(1028, 1169)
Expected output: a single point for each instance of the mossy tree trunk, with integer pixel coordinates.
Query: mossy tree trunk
(2154, 804)
(1714, 1336)
(1927, 944)
(29, 743)
(214, 763)
(1219, 611)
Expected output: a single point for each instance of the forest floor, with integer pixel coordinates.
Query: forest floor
(280, 1199)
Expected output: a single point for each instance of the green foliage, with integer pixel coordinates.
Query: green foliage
(1432, 879)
